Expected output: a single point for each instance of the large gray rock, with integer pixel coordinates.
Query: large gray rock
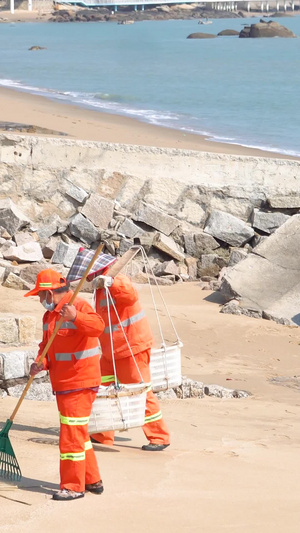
(228, 228)
(30, 272)
(284, 202)
(228, 33)
(83, 229)
(129, 229)
(156, 218)
(199, 35)
(266, 29)
(269, 278)
(236, 255)
(31, 251)
(9, 332)
(197, 244)
(65, 253)
(268, 222)
(38, 392)
(11, 217)
(76, 193)
(168, 246)
(48, 228)
(13, 364)
(165, 268)
(15, 282)
(23, 237)
(98, 210)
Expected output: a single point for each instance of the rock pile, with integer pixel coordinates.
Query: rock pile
(266, 284)
(177, 252)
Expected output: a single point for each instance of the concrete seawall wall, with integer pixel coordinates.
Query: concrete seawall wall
(36, 172)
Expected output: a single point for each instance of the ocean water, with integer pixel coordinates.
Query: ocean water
(243, 91)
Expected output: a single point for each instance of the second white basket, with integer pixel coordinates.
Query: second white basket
(165, 367)
(119, 408)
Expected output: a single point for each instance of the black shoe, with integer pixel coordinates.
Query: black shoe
(66, 495)
(96, 488)
(94, 440)
(154, 447)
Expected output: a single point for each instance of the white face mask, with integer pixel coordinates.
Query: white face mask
(47, 306)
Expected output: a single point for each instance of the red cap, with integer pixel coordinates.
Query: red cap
(47, 279)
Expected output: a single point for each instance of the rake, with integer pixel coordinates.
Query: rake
(9, 466)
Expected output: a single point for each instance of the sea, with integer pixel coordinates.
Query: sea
(241, 91)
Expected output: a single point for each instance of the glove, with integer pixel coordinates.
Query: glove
(35, 369)
(101, 282)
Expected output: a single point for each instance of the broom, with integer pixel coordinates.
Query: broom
(9, 466)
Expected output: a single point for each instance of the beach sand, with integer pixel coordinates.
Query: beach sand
(85, 124)
(232, 465)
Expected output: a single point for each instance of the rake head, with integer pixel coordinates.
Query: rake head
(9, 466)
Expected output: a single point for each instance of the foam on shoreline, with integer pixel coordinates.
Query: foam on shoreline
(93, 125)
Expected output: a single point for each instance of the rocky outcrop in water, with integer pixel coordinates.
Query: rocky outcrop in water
(200, 35)
(266, 29)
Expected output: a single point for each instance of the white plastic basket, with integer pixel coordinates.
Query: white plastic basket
(165, 367)
(119, 409)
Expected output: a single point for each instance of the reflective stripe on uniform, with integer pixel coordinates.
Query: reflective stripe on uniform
(79, 456)
(74, 421)
(127, 322)
(148, 389)
(84, 354)
(45, 284)
(88, 445)
(67, 325)
(113, 328)
(107, 379)
(153, 418)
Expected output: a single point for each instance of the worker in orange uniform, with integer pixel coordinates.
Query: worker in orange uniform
(73, 364)
(139, 337)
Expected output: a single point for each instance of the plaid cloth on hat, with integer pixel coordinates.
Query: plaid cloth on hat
(83, 259)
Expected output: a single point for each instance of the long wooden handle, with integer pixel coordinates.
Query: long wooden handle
(123, 261)
(58, 324)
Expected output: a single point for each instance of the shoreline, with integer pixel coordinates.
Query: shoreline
(41, 116)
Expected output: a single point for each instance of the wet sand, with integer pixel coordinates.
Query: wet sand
(36, 112)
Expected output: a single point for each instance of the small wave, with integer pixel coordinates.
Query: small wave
(116, 104)
(111, 97)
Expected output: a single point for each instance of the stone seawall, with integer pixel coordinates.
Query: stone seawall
(36, 173)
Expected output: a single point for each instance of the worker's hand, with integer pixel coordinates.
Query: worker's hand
(35, 369)
(68, 312)
(101, 282)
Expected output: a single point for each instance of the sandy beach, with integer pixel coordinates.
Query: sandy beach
(58, 119)
(232, 464)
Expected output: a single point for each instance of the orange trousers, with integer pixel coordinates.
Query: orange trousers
(78, 463)
(155, 429)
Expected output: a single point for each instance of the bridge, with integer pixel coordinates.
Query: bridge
(223, 5)
(229, 5)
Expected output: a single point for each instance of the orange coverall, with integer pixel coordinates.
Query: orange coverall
(140, 339)
(73, 364)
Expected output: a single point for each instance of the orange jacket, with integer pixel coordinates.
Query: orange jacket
(73, 357)
(132, 317)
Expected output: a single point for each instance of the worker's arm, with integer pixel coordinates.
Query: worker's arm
(42, 365)
(87, 321)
